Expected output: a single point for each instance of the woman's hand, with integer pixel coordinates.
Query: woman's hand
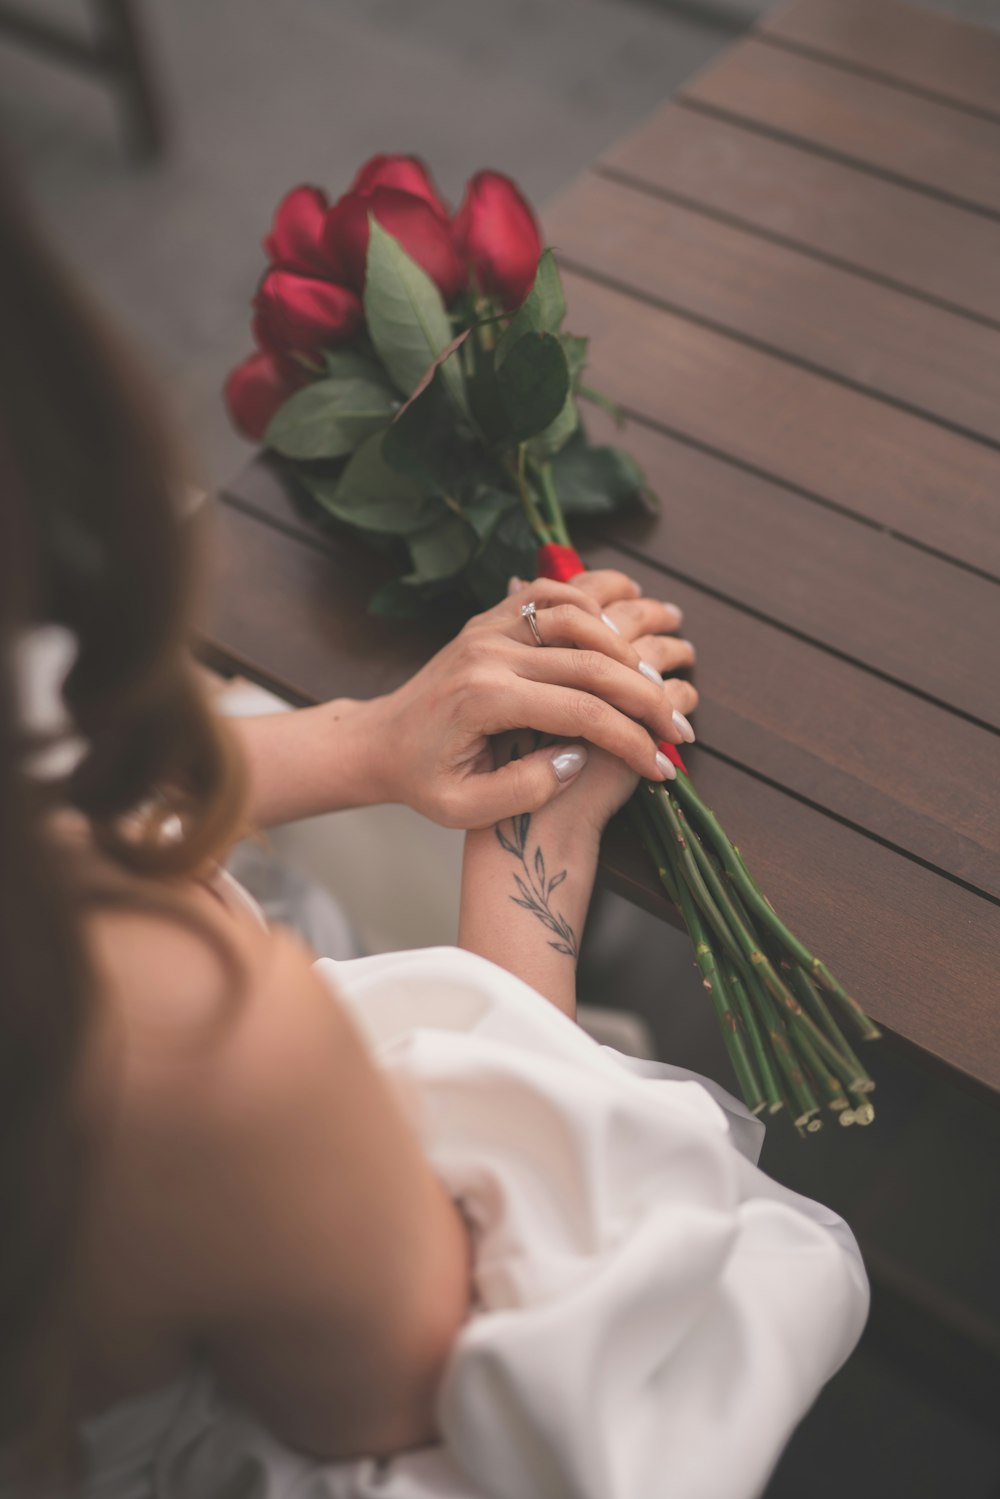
(592, 680)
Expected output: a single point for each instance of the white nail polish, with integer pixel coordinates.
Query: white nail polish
(514, 585)
(610, 623)
(694, 653)
(650, 672)
(675, 609)
(667, 766)
(683, 727)
(569, 762)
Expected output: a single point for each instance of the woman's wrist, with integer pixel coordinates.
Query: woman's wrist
(526, 888)
(314, 760)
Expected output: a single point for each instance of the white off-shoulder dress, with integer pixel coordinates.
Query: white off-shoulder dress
(653, 1314)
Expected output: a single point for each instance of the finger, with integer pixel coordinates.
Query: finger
(607, 585)
(635, 617)
(544, 593)
(568, 713)
(666, 652)
(591, 672)
(524, 785)
(566, 625)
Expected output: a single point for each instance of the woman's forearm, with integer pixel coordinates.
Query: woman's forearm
(526, 888)
(313, 760)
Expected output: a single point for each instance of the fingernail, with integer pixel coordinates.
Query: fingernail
(514, 585)
(650, 672)
(683, 727)
(667, 766)
(569, 762)
(637, 587)
(610, 623)
(675, 609)
(694, 653)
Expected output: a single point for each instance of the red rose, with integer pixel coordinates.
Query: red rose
(295, 242)
(498, 235)
(298, 314)
(257, 387)
(422, 232)
(407, 173)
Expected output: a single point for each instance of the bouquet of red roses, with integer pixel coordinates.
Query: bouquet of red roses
(414, 371)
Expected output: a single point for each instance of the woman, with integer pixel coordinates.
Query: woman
(202, 1165)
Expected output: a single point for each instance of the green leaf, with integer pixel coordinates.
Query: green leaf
(533, 381)
(559, 432)
(575, 349)
(371, 495)
(542, 310)
(421, 441)
(330, 417)
(441, 550)
(596, 481)
(510, 549)
(486, 508)
(353, 364)
(486, 402)
(397, 600)
(406, 317)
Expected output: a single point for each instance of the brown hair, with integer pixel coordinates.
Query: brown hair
(92, 537)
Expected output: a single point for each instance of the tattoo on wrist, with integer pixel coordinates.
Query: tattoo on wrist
(535, 886)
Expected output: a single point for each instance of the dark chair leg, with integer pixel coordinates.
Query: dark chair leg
(121, 42)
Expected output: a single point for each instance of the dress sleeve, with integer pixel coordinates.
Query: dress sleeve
(653, 1314)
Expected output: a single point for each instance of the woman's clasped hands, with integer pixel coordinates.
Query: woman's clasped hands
(593, 690)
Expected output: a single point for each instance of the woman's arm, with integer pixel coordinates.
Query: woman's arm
(427, 744)
(526, 888)
(527, 880)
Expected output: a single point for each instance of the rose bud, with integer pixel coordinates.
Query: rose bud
(295, 242)
(299, 314)
(257, 387)
(407, 173)
(498, 235)
(422, 232)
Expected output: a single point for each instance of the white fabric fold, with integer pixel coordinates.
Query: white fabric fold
(654, 1315)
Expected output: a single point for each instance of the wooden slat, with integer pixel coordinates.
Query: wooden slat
(919, 952)
(827, 730)
(929, 145)
(294, 615)
(844, 323)
(893, 468)
(876, 916)
(839, 736)
(860, 592)
(905, 614)
(914, 46)
(894, 233)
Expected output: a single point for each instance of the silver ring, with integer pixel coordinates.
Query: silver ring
(530, 613)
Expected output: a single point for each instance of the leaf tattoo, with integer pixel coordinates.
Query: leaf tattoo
(534, 888)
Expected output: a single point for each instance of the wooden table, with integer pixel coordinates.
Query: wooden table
(791, 279)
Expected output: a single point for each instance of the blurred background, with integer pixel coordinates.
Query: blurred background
(160, 203)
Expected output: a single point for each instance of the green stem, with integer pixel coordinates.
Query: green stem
(764, 912)
(762, 1061)
(643, 816)
(531, 510)
(550, 503)
(816, 1005)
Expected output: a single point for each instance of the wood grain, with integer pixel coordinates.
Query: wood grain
(928, 145)
(842, 322)
(877, 462)
(857, 591)
(835, 212)
(914, 46)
